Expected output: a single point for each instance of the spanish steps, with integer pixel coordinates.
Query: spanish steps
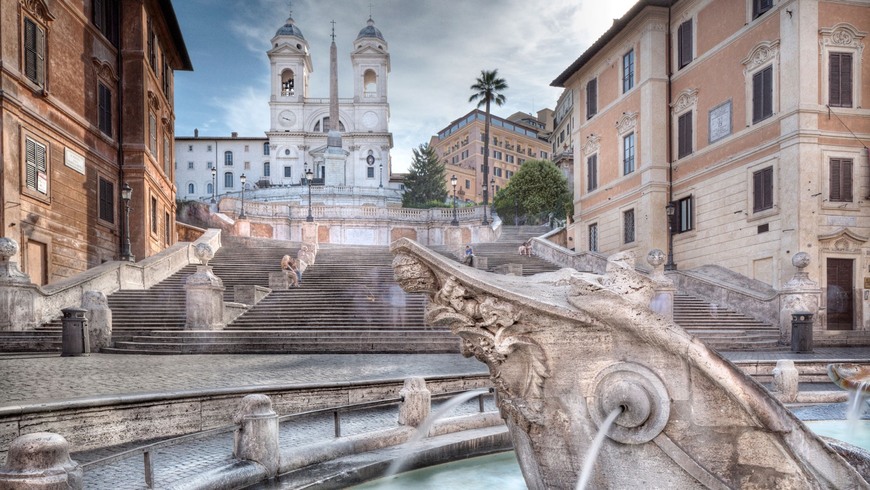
(347, 302)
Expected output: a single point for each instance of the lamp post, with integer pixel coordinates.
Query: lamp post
(243, 179)
(126, 194)
(516, 212)
(213, 183)
(492, 201)
(485, 222)
(308, 176)
(670, 265)
(381, 174)
(455, 221)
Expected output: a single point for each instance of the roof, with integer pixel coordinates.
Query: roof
(618, 25)
(289, 29)
(175, 32)
(371, 31)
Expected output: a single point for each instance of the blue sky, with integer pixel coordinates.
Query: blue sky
(437, 49)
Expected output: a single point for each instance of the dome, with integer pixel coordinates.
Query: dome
(290, 29)
(371, 31)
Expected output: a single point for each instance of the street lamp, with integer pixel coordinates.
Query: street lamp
(485, 222)
(308, 176)
(213, 183)
(671, 210)
(126, 194)
(455, 221)
(243, 179)
(381, 174)
(492, 202)
(516, 212)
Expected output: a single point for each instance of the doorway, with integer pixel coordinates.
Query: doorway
(840, 294)
(36, 266)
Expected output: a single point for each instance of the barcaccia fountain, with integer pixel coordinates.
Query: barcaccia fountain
(565, 349)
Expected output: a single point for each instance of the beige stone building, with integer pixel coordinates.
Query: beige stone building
(87, 105)
(512, 142)
(748, 116)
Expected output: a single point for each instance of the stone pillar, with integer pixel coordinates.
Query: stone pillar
(416, 402)
(17, 293)
(99, 318)
(40, 461)
(256, 438)
(205, 295)
(309, 232)
(663, 298)
(799, 294)
(785, 381)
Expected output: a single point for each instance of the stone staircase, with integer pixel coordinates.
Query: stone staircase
(722, 328)
(504, 250)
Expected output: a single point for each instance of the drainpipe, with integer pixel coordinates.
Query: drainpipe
(119, 103)
(670, 265)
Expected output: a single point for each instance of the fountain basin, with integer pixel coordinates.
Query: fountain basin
(851, 377)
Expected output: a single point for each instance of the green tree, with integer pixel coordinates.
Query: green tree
(535, 191)
(425, 182)
(487, 89)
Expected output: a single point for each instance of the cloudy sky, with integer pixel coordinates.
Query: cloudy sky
(437, 49)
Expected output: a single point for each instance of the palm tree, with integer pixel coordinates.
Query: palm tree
(487, 89)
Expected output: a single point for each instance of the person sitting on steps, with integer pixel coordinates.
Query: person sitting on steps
(290, 271)
(469, 256)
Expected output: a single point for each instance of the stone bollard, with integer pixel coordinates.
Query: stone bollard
(204, 295)
(278, 280)
(416, 402)
(40, 461)
(256, 438)
(99, 317)
(664, 290)
(785, 381)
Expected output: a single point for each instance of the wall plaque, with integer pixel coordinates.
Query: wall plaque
(720, 121)
(74, 161)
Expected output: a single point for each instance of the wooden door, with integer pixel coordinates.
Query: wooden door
(36, 266)
(840, 294)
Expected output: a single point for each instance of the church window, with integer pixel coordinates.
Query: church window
(317, 127)
(370, 83)
(370, 172)
(288, 172)
(288, 83)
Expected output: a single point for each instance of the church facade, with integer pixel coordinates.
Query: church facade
(344, 142)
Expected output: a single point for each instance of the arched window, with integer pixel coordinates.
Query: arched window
(288, 82)
(266, 148)
(228, 158)
(324, 127)
(210, 188)
(266, 170)
(190, 188)
(228, 180)
(370, 83)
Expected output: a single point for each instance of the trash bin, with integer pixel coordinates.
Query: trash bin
(75, 333)
(802, 332)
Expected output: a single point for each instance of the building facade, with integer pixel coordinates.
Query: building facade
(300, 124)
(747, 117)
(87, 106)
(512, 142)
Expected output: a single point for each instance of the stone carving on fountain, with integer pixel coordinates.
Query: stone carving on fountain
(565, 349)
(850, 377)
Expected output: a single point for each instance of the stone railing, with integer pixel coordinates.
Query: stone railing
(561, 256)
(256, 209)
(44, 303)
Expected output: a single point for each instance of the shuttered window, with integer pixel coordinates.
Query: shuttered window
(167, 153)
(592, 173)
(34, 52)
(684, 44)
(154, 215)
(36, 167)
(107, 201)
(760, 6)
(841, 180)
(104, 109)
(762, 189)
(762, 94)
(591, 98)
(105, 18)
(840, 79)
(684, 135)
(152, 136)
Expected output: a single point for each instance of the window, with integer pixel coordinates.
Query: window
(684, 215)
(467, 184)
(247, 148)
(208, 148)
(34, 52)
(684, 135)
(762, 94)
(152, 48)
(370, 172)
(593, 237)
(190, 188)
(288, 172)
(684, 44)
(592, 173)
(266, 170)
(628, 71)
(209, 188)
(265, 148)
(190, 165)
(247, 165)
(36, 164)
(105, 18)
(154, 215)
(167, 229)
(228, 158)
(762, 189)
(104, 109)
(152, 135)
(840, 79)
(628, 226)
(167, 77)
(760, 6)
(209, 165)
(841, 180)
(107, 201)
(167, 152)
(628, 154)
(189, 147)
(228, 180)
(591, 98)
(544, 155)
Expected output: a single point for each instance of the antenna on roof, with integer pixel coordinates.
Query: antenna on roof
(333, 30)
(370, 10)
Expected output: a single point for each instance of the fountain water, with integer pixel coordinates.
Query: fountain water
(855, 379)
(423, 429)
(592, 454)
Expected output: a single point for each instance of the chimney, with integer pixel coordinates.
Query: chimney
(234, 134)
(196, 133)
